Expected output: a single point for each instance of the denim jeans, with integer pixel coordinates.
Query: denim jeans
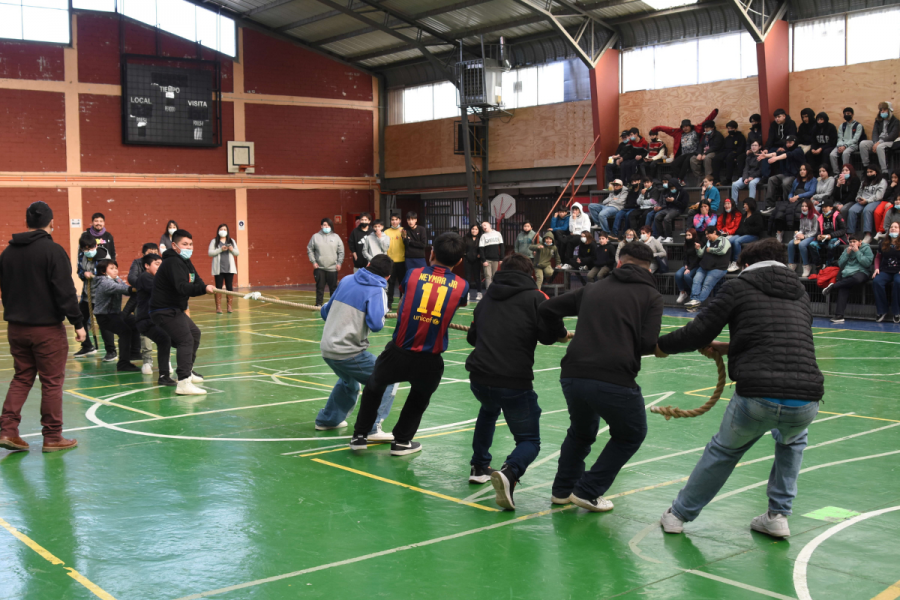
(736, 241)
(589, 400)
(704, 283)
(803, 246)
(869, 217)
(523, 416)
(600, 215)
(352, 372)
(621, 221)
(684, 281)
(740, 185)
(853, 216)
(879, 288)
(745, 421)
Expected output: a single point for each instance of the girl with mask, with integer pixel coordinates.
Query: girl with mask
(846, 188)
(473, 262)
(824, 187)
(890, 197)
(165, 241)
(832, 234)
(89, 254)
(684, 277)
(630, 236)
(223, 249)
(808, 230)
(892, 214)
(887, 273)
(659, 253)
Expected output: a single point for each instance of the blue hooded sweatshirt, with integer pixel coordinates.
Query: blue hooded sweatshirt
(357, 306)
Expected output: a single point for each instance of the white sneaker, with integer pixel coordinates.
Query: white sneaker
(186, 387)
(556, 500)
(600, 504)
(380, 435)
(880, 236)
(771, 524)
(478, 297)
(668, 240)
(147, 369)
(807, 269)
(670, 523)
(566, 266)
(733, 267)
(779, 236)
(867, 239)
(328, 428)
(692, 303)
(196, 378)
(681, 298)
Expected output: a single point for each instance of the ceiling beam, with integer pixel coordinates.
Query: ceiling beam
(409, 20)
(265, 7)
(753, 20)
(307, 20)
(589, 58)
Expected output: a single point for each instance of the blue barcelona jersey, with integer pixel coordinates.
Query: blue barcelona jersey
(431, 296)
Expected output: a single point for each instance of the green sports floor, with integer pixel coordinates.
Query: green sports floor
(234, 495)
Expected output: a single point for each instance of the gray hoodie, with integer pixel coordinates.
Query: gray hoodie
(107, 293)
(873, 192)
(617, 201)
(326, 250)
(374, 245)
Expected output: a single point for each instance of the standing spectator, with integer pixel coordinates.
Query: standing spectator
(613, 168)
(604, 259)
(492, 252)
(856, 269)
(634, 154)
(525, 239)
(809, 230)
(806, 130)
(107, 289)
(473, 262)
(824, 187)
(711, 145)
(871, 191)
(674, 201)
(165, 241)
(357, 239)
(543, 266)
(832, 233)
(416, 240)
(734, 153)
(103, 237)
(731, 219)
(681, 162)
(780, 130)
(786, 211)
(601, 212)
(887, 202)
(846, 188)
(751, 173)
(397, 253)
(325, 251)
(750, 230)
(824, 141)
(646, 202)
(578, 222)
(884, 132)
(656, 155)
(620, 223)
(37, 295)
(792, 157)
(684, 277)
(377, 242)
(223, 249)
(88, 257)
(887, 273)
(713, 264)
(144, 287)
(849, 136)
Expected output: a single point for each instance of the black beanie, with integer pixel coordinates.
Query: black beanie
(38, 215)
(686, 123)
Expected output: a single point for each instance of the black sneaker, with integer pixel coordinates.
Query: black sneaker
(110, 356)
(897, 319)
(838, 319)
(880, 318)
(504, 484)
(127, 368)
(359, 442)
(166, 380)
(90, 350)
(827, 289)
(481, 474)
(400, 449)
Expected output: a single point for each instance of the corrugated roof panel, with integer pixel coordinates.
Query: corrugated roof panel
(329, 27)
(362, 44)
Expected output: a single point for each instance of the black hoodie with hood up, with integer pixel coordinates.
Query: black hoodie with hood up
(771, 353)
(36, 282)
(824, 135)
(806, 131)
(505, 330)
(175, 282)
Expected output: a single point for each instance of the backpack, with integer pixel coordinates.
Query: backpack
(827, 276)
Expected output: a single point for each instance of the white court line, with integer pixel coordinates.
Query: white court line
(801, 564)
(738, 584)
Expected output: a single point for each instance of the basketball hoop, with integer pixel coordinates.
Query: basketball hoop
(242, 169)
(502, 207)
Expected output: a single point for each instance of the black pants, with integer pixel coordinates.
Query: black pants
(724, 168)
(161, 339)
(124, 326)
(225, 281)
(815, 160)
(843, 287)
(324, 278)
(786, 216)
(473, 276)
(398, 272)
(629, 168)
(638, 217)
(109, 339)
(422, 370)
(185, 337)
(612, 172)
(567, 246)
(681, 165)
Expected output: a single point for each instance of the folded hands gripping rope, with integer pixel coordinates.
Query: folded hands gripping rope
(667, 411)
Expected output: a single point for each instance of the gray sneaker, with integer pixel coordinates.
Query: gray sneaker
(772, 524)
(670, 523)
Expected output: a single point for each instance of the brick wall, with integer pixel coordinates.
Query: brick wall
(32, 131)
(280, 223)
(14, 202)
(26, 60)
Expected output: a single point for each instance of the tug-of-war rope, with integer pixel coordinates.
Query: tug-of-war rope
(667, 411)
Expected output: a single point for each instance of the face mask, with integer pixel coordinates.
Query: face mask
(643, 237)
(395, 227)
(846, 176)
(326, 230)
(223, 232)
(584, 240)
(885, 115)
(666, 185)
(172, 231)
(363, 224)
(186, 253)
(827, 212)
(90, 253)
(894, 234)
(629, 239)
(632, 138)
(728, 209)
(548, 243)
(804, 211)
(897, 205)
(848, 118)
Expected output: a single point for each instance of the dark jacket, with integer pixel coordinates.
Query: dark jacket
(833, 225)
(586, 254)
(806, 131)
(473, 252)
(86, 264)
(609, 342)
(715, 142)
(755, 135)
(735, 142)
(891, 124)
(605, 256)
(505, 330)
(135, 270)
(752, 225)
(416, 241)
(845, 194)
(771, 352)
(752, 168)
(778, 133)
(175, 282)
(824, 135)
(791, 165)
(680, 197)
(691, 258)
(631, 199)
(355, 244)
(36, 282)
(144, 286)
(105, 241)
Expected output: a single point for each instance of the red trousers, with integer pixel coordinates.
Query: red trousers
(37, 351)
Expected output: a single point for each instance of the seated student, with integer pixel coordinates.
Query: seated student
(808, 231)
(849, 135)
(646, 202)
(786, 210)
(634, 154)
(614, 166)
(377, 242)
(754, 135)
(781, 128)
(684, 277)
(733, 151)
(630, 236)
(791, 159)
(751, 174)
(631, 198)
(887, 273)
(602, 211)
(832, 234)
(846, 188)
(659, 253)
(711, 145)
(585, 253)
(703, 220)
(506, 327)
(824, 187)
(656, 155)
(686, 143)
(731, 219)
(713, 262)
(544, 255)
(559, 224)
(887, 202)
(414, 353)
(892, 213)
(824, 141)
(884, 132)
(708, 194)
(750, 230)
(806, 129)
(604, 259)
(856, 269)
(107, 290)
(143, 285)
(88, 257)
(871, 191)
(578, 222)
(674, 201)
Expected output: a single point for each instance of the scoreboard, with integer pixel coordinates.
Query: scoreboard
(164, 105)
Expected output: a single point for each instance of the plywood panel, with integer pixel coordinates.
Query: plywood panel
(861, 86)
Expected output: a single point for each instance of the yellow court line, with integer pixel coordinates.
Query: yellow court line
(409, 487)
(712, 387)
(280, 336)
(297, 380)
(833, 331)
(824, 412)
(418, 437)
(53, 560)
(891, 593)
(107, 403)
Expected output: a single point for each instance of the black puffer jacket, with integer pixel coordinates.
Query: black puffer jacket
(771, 353)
